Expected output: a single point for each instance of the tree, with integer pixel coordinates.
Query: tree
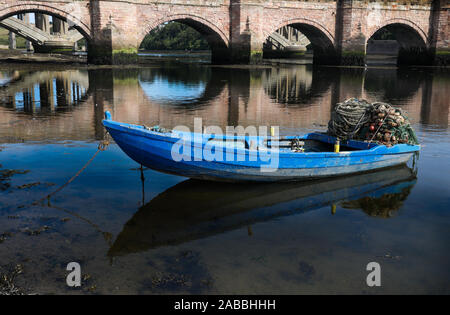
(174, 36)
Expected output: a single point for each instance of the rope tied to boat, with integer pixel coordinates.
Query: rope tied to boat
(102, 146)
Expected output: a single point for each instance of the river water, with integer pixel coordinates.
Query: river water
(147, 232)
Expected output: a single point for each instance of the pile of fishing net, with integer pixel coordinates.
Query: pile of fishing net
(374, 122)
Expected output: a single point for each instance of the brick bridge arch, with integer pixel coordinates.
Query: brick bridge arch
(200, 24)
(305, 21)
(216, 38)
(75, 12)
(322, 40)
(412, 40)
(401, 22)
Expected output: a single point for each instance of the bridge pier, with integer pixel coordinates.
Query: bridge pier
(59, 26)
(112, 41)
(243, 51)
(350, 41)
(12, 40)
(106, 49)
(353, 53)
(26, 18)
(244, 48)
(440, 31)
(42, 22)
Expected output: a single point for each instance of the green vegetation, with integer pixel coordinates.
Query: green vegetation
(82, 42)
(174, 36)
(124, 55)
(350, 53)
(255, 56)
(383, 34)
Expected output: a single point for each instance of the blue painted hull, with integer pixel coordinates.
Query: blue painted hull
(251, 161)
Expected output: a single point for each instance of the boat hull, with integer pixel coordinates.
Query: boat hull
(155, 151)
(210, 170)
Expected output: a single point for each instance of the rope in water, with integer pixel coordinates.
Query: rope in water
(101, 147)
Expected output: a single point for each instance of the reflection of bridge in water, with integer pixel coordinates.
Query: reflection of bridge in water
(293, 98)
(44, 91)
(296, 86)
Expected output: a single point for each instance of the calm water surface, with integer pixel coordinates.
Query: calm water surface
(160, 233)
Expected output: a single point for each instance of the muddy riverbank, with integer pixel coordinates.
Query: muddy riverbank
(152, 58)
(18, 56)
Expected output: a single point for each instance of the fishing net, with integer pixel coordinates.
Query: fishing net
(378, 122)
(157, 129)
(348, 117)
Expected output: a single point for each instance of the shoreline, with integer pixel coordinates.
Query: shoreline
(153, 59)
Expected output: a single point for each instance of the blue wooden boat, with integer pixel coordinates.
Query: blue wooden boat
(251, 158)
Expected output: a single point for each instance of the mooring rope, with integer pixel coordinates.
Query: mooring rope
(101, 147)
(107, 235)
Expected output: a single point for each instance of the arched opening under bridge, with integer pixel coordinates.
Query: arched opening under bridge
(301, 40)
(189, 36)
(399, 44)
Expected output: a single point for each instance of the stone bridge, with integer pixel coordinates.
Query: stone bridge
(236, 29)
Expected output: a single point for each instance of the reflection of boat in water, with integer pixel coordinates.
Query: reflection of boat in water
(194, 209)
